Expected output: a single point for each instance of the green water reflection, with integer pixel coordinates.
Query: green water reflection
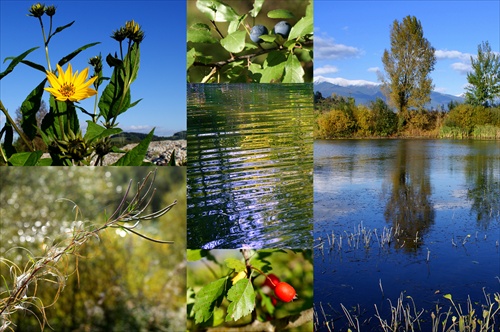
(250, 165)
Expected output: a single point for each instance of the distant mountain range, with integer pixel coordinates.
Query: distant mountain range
(364, 91)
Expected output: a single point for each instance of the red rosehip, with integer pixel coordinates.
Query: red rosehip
(271, 281)
(285, 292)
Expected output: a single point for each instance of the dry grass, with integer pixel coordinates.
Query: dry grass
(52, 266)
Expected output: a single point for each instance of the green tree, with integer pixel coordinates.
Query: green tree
(484, 80)
(408, 65)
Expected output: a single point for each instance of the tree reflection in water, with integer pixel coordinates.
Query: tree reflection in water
(409, 204)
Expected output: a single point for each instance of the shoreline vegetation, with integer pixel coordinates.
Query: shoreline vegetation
(340, 117)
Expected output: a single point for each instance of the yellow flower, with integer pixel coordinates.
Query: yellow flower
(132, 27)
(70, 87)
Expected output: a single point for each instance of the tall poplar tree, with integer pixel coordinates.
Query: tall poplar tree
(408, 64)
(484, 80)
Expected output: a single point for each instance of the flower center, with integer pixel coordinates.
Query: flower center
(67, 89)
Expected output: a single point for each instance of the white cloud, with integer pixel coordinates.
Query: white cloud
(326, 48)
(374, 69)
(442, 90)
(342, 81)
(327, 69)
(462, 68)
(139, 128)
(445, 54)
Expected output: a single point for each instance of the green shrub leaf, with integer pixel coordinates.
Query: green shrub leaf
(294, 73)
(206, 299)
(235, 264)
(273, 67)
(257, 6)
(303, 27)
(242, 297)
(280, 13)
(200, 33)
(217, 11)
(234, 42)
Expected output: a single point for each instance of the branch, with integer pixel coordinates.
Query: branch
(221, 64)
(270, 326)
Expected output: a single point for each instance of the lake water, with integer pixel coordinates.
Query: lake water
(250, 165)
(438, 199)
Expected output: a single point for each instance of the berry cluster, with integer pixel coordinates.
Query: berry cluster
(281, 28)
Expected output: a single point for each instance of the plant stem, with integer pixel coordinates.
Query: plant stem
(45, 43)
(16, 128)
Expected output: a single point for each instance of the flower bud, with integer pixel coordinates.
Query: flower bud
(120, 34)
(50, 10)
(96, 62)
(37, 10)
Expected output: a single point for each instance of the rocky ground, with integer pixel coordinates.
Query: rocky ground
(159, 153)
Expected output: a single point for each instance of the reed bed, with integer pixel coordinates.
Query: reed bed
(406, 317)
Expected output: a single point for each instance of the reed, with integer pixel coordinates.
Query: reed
(406, 317)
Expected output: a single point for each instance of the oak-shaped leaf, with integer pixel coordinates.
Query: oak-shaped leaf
(242, 297)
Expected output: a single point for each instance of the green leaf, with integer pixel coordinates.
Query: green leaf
(25, 158)
(8, 143)
(234, 42)
(200, 33)
(95, 131)
(35, 66)
(61, 118)
(44, 162)
(206, 298)
(235, 264)
(196, 254)
(257, 6)
(29, 108)
(59, 29)
(171, 162)
(267, 302)
(135, 156)
(114, 100)
(268, 38)
(294, 73)
(274, 65)
(14, 62)
(280, 13)
(242, 297)
(70, 56)
(191, 57)
(303, 27)
(234, 25)
(217, 11)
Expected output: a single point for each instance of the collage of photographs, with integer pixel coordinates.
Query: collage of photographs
(284, 165)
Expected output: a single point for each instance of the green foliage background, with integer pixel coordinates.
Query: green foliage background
(269, 63)
(126, 283)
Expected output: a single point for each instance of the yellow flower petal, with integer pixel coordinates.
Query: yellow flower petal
(69, 86)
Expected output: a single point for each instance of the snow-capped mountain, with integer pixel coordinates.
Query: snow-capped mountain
(365, 91)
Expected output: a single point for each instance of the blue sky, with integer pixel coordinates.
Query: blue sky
(350, 36)
(162, 75)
